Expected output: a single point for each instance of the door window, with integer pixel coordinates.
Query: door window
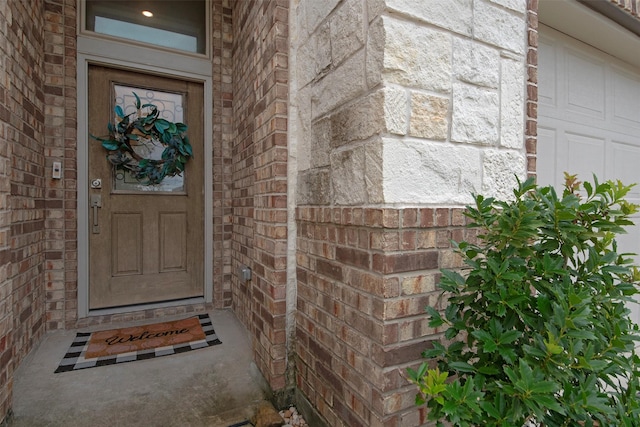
(170, 107)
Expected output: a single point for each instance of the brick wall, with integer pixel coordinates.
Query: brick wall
(60, 138)
(222, 43)
(365, 276)
(6, 149)
(260, 64)
(245, 16)
(22, 164)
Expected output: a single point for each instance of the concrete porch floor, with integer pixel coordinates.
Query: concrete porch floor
(214, 386)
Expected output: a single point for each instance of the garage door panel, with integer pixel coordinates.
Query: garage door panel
(625, 161)
(592, 155)
(626, 98)
(585, 83)
(589, 121)
(547, 76)
(548, 150)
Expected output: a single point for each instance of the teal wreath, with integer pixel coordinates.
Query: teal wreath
(149, 129)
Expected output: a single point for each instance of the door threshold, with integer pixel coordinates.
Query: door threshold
(143, 307)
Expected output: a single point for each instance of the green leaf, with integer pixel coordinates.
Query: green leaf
(490, 409)
(119, 112)
(461, 367)
(543, 387)
(548, 403)
(488, 370)
(161, 125)
(589, 189)
(110, 145)
(435, 317)
(187, 149)
(137, 100)
(509, 337)
(438, 350)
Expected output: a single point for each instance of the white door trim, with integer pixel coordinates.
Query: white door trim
(195, 73)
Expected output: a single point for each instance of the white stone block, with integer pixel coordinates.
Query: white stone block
(429, 116)
(348, 176)
(303, 134)
(316, 11)
(375, 8)
(499, 170)
(320, 143)
(339, 86)
(418, 172)
(373, 174)
(416, 56)
(512, 100)
(347, 30)
(499, 27)
(375, 53)
(314, 56)
(516, 5)
(396, 105)
(454, 15)
(358, 120)
(476, 63)
(476, 115)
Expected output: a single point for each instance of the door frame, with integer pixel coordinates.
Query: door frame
(122, 55)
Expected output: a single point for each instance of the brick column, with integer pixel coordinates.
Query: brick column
(365, 276)
(60, 139)
(260, 178)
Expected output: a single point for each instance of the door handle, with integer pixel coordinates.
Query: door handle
(96, 202)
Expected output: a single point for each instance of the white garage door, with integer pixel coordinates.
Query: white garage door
(588, 119)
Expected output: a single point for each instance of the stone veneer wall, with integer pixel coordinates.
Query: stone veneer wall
(260, 103)
(404, 109)
(22, 176)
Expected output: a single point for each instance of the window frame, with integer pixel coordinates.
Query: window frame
(82, 31)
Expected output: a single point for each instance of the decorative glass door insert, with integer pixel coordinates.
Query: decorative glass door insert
(170, 108)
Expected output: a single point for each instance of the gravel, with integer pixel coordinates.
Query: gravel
(292, 418)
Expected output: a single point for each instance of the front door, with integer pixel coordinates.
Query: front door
(146, 231)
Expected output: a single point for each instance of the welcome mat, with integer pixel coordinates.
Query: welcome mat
(101, 348)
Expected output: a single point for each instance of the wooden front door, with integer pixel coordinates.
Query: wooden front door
(146, 240)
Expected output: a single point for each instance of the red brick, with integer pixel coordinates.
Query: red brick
(353, 257)
(410, 218)
(403, 262)
(329, 269)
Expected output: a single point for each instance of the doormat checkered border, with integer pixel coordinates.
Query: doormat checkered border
(74, 359)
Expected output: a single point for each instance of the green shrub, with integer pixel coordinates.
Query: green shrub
(537, 330)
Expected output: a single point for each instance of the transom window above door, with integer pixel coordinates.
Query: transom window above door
(176, 24)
